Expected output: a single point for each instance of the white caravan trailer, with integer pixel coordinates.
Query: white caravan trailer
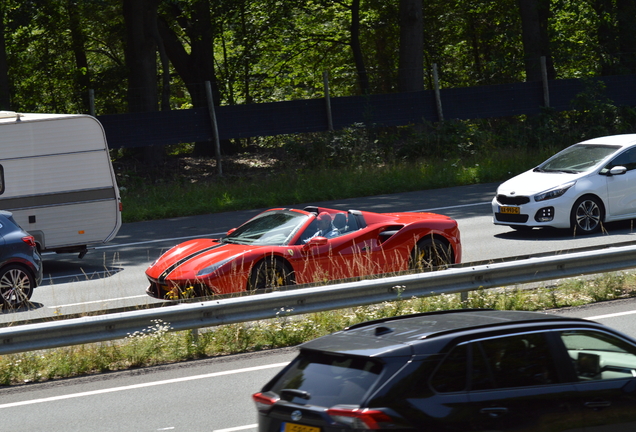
(57, 179)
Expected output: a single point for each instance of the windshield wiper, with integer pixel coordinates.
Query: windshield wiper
(566, 171)
(295, 393)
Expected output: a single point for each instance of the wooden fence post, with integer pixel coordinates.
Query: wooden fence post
(215, 128)
(544, 78)
(91, 102)
(438, 98)
(325, 83)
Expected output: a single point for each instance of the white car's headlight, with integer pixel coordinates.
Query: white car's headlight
(554, 192)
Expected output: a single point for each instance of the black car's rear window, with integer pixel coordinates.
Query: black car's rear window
(328, 379)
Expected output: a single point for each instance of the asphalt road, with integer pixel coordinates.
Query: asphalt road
(112, 276)
(214, 394)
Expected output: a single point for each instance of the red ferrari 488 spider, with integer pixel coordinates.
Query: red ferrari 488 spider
(282, 247)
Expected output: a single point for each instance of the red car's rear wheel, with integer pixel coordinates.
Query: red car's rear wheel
(429, 253)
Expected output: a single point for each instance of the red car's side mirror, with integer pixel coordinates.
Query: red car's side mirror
(316, 241)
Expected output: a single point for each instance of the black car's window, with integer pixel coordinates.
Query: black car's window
(598, 355)
(626, 159)
(451, 374)
(481, 372)
(517, 361)
(273, 228)
(328, 379)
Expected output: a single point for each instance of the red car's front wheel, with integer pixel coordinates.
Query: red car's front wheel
(269, 274)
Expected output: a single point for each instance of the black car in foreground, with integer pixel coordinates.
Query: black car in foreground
(461, 370)
(20, 263)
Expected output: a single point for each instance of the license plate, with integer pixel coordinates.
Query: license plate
(293, 427)
(510, 210)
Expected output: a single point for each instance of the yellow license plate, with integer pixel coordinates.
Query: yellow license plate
(510, 210)
(292, 427)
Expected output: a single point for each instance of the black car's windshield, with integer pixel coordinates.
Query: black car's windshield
(577, 158)
(274, 228)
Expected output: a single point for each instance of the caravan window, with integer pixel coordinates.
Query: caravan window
(1, 180)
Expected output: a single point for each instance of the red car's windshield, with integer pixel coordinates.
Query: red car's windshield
(273, 228)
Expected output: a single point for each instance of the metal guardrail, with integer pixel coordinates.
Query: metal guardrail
(184, 316)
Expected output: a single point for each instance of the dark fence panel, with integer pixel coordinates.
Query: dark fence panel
(395, 109)
(157, 128)
(274, 118)
(492, 101)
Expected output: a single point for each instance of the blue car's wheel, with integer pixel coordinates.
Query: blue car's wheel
(16, 285)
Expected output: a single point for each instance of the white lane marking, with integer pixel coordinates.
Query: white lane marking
(86, 276)
(143, 385)
(115, 245)
(161, 240)
(612, 315)
(238, 428)
(450, 207)
(98, 301)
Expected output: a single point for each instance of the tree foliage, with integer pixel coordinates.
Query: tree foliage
(53, 51)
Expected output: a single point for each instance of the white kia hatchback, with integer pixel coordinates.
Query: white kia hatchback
(580, 188)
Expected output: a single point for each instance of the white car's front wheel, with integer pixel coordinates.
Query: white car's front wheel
(587, 215)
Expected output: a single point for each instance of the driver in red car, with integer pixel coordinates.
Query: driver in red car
(325, 228)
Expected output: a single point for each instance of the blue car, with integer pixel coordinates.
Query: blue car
(20, 263)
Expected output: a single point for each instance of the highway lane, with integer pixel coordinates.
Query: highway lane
(203, 395)
(112, 276)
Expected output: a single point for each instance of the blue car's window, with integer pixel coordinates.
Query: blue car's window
(578, 158)
(275, 228)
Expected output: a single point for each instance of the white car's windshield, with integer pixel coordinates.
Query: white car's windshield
(272, 228)
(577, 158)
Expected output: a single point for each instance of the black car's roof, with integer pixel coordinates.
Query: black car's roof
(408, 335)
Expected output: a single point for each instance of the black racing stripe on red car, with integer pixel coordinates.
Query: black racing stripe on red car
(162, 277)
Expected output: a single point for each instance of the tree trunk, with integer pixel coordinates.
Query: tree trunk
(141, 58)
(534, 28)
(196, 67)
(606, 35)
(626, 15)
(5, 94)
(358, 58)
(78, 44)
(411, 62)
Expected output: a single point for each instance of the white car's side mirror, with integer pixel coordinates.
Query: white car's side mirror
(617, 170)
